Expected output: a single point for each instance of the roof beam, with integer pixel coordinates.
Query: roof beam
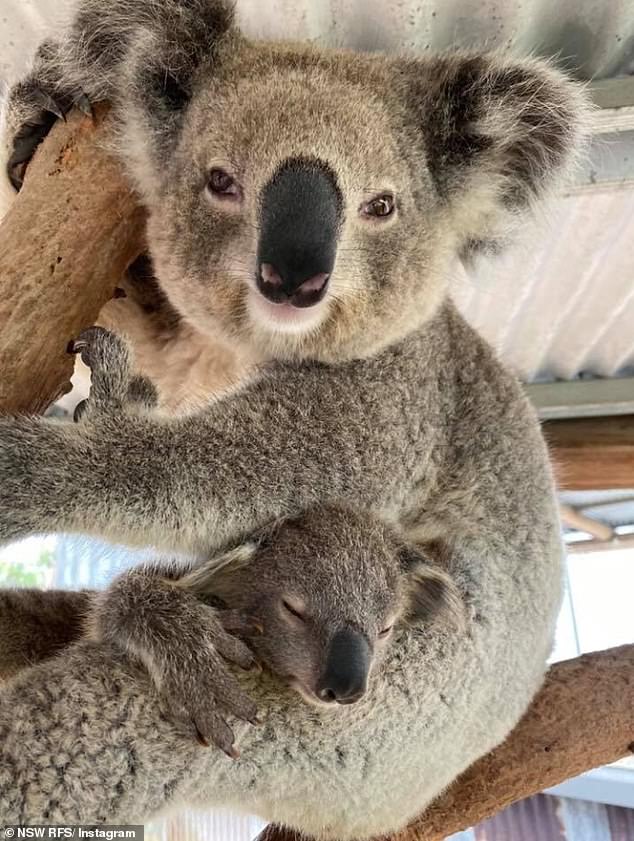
(583, 398)
(592, 453)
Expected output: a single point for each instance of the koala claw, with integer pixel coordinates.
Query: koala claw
(51, 105)
(193, 707)
(76, 346)
(45, 109)
(85, 106)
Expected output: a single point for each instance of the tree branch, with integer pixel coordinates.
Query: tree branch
(64, 245)
(583, 717)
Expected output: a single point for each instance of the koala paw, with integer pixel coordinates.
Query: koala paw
(197, 690)
(113, 388)
(34, 105)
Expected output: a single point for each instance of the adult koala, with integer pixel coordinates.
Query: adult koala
(307, 205)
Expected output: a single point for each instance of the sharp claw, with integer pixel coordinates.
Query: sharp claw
(49, 104)
(76, 346)
(233, 752)
(201, 739)
(84, 105)
(16, 172)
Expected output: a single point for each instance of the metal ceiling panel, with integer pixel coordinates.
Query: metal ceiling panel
(595, 39)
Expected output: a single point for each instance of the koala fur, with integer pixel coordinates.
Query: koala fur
(36, 624)
(317, 598)
(377, 397)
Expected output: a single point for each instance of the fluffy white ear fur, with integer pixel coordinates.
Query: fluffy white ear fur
(202, 578)
(500, 136)
(434, 597)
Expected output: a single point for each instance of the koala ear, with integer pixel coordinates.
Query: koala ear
(181, 36)
(218, 574)
(497, 134)
(432, 594)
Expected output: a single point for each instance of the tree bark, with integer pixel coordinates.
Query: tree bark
(64, 245)
(583, 717)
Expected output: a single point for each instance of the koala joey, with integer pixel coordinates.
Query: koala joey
(318, 599)
(307, 206)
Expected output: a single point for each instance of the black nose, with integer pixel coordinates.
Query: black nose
(301, 215)
(345, 677)
(292, 288)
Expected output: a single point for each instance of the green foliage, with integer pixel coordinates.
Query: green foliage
(34, 574)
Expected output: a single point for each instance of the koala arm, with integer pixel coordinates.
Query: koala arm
(183, 644)
(37, 624)
(196, 483)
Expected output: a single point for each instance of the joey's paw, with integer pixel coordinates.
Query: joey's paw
(198, 691)
(109, 359)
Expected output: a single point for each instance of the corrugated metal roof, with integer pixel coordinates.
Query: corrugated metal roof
(594, 39)
(562, 304)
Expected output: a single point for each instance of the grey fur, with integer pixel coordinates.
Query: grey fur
(389, 404)
(342, 570)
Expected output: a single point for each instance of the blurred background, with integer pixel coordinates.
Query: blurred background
(559, 308)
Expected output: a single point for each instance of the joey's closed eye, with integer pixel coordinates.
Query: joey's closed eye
(294, 609)
(385, 632)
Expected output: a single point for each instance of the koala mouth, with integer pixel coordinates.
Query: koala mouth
(285, 316)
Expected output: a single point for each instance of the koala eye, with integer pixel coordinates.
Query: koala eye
(380, 207)
(222, 184)
(289, 608)
(386, 631)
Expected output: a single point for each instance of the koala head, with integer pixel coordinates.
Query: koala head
(329, 590)
(310, 202)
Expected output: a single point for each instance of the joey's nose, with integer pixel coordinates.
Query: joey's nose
(344, 679)
(289, 287)
(330, 696)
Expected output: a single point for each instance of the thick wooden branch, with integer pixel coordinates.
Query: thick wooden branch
(64, 245)
(582, 718)
(592, 453)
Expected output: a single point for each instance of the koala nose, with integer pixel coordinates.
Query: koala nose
(345, 677)
(301, 216)
(292, 287)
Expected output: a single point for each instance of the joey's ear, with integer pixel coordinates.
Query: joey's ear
(431, 592)
(217, 575)
(497, 134)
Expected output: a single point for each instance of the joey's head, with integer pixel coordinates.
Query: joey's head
(311, 202)
(329, 590)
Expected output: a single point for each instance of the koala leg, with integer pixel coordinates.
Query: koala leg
(83, 740)
(184, 646)
(37, 624)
